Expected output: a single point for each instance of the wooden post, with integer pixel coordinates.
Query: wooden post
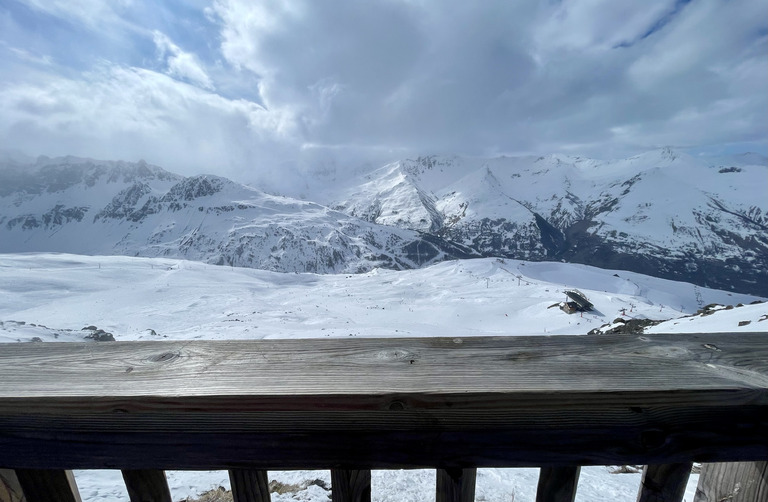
(558, 484)
(350, 485)
(664, 483)
(456, 485)
(733, 482)
(249, 485)
(10, 489)
(146, 485)
(42, 485)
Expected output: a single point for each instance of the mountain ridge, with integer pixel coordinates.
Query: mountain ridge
(136, 210)
(660, 213)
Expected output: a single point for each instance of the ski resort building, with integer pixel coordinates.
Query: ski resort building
(577, 302)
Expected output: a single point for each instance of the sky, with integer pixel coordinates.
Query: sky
(254, 88)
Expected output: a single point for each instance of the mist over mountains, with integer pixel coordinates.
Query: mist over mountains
(662, 213)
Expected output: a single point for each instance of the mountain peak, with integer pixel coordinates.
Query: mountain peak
(669, 154)
(663, 213)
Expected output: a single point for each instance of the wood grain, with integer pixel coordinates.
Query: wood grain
(455, 485)
(558, 484)
(350, 485)
(44, 485)
(146, 485)
(733, 482)
(249, 485)
(10, 489)
(664, 483)
(385, 366)
(385, 403)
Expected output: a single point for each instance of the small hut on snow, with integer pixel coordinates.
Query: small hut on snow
(577, 302)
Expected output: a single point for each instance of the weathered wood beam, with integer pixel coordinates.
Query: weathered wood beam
(385, 403)
(733, 482)
(10, 489)
(664, 483)
(43, 485)
(350, 485)
(249, 485)
(455, 485)
(558, 484)
(146, 485)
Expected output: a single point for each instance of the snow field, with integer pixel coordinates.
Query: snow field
(186, 300)
(51, 297)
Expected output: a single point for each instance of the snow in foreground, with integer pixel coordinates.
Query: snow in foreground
(596, 484)
(51, 297)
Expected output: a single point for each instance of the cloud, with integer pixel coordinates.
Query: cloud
(92, 13)
(597, 25)
(503, 76)
(237, 86)
(182, 65)
(128, 113)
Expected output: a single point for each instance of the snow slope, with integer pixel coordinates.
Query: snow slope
(179, 299)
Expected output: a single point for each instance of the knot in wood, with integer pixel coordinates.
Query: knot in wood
(397, 355)
(652, 439)
(396, 406)
(164, 357)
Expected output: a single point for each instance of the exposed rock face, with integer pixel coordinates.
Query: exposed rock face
(662, 213)
(141, 210)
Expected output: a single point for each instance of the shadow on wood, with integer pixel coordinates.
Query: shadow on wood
(350, 485)
(146, 485)
(249, 485)
(456, 485)
(664, 483)
(558, 484)
(41, 485)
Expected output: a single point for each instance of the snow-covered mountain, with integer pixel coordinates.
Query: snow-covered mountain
(93, 207)
(662, 213)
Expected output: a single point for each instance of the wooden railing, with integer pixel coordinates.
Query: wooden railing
(351, 405)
